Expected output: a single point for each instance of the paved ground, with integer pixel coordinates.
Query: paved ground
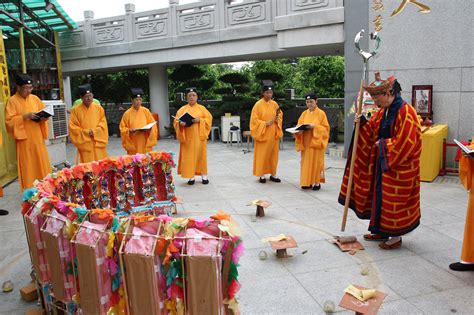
(415, 277)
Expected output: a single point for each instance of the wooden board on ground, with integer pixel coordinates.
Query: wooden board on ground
(368, 307)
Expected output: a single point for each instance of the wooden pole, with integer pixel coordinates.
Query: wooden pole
(353, 157)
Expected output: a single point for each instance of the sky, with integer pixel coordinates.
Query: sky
(105, 8)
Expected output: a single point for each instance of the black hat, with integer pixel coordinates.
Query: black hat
(22, 79)
(84, 89)
(136, 92)
(267, 85)
(191, 89)
(311, 96)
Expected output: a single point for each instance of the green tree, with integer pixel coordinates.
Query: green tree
(323, 75)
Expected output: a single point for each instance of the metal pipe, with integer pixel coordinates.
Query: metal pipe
(22, 50)
(25, 26)
(59, 65)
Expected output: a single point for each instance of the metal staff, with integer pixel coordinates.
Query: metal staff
(366, 56)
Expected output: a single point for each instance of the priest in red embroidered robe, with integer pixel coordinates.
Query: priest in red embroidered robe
(386, 184)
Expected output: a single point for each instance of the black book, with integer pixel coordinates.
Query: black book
(44, 113)
(186, 118)
(297, 128)
(302, 127)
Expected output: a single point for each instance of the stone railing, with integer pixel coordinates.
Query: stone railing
(212, 20)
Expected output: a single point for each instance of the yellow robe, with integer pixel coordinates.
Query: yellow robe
(82, 120)
(466, 173)
(138, 141)
(193, 141)
(266, 138)
(312, 143)
(31, 153)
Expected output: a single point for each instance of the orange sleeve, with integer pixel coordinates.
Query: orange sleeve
(124, 132)
(14, 121)
(299, 135)
(153, 133)
(43, 124)
(101, 132)
(205, 123)
(320, 131)
(257, 124)
(180, 134)
(279, 127)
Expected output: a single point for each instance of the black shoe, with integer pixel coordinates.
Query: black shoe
(316, 187)
(205, 181)
(262, 180)
(3, 212)
(275, 179)
(459, 266)
(191, 182)
(306, 187)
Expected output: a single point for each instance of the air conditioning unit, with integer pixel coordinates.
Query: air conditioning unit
(57, 124)
(57, 133)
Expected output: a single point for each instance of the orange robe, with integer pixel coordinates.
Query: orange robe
(386, 184)
(193, 141)
(31, 153)
(466, 173)
(82, 120)
(312, 143)
(137, 141)
(266, 138)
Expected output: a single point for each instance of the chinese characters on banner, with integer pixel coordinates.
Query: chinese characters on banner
(4, 84)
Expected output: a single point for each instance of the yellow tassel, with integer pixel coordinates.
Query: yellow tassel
(110, 245)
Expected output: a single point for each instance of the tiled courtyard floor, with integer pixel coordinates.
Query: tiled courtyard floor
(415, 277)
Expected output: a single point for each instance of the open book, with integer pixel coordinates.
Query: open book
(186, 118)
(46, 112)
(297, 128)
(466, 150)
(147, 127)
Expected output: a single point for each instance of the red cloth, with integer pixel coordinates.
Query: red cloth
(400, 179)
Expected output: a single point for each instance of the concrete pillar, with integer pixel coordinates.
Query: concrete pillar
(88, 18)
(173, 17)
(67, 91)
(158, 80)
(129, 21)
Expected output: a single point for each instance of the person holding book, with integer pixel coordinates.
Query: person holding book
(193, 124)
(312, 142)
(138, 127)
(266, 130)
(466, 173)
(88, 128)
(29, 130)
(386, 183)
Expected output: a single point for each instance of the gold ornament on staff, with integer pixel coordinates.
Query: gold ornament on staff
(423, 8)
